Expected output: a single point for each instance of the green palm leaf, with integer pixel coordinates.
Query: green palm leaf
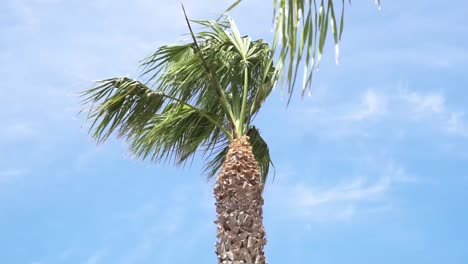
(196, 97)
(301, 29)
(214, 67)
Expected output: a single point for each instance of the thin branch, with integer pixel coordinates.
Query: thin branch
(218, 89)
(244, 101)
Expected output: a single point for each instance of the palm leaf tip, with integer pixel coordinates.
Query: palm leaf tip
(120, 105)
(301, 30)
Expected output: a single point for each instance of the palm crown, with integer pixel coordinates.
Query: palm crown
(196, 96)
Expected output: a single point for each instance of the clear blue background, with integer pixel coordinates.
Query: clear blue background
(371, 168)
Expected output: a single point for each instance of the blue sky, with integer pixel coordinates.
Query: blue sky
(371, 168)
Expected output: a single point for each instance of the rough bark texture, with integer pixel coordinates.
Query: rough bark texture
(239, 201)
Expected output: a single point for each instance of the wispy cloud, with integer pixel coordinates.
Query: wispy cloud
(456, 124)
(306, 201)
(12, 174)
(339, 201)
(66, 255)
(24, 12)
(95, 258)
(372, 105)
(404, 108)
(338, 119)
(432, 107)
(425, 103)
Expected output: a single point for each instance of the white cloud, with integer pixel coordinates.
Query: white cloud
(456, 124)
(341, 201)
(333, 119)
(12, 174)
(423, 102)
(404, 109)
(432, 108)
(24, 12)
(326, 203)
(356, 190)
(95, 258)
(372, 105)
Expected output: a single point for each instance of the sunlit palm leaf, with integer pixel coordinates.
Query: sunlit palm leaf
(175, 134)
(301, 29)
(150, 120)
(122, 105)
(301, 33)
(192, 100)
(186, 71)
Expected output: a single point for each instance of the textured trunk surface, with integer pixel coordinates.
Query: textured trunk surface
(239, 201)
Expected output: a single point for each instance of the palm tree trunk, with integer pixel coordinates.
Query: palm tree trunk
(239, 201)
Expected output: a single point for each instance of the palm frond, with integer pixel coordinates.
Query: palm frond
(175, 135)
(215, 159)
(195, 97)
(120, 104)
(301, 31)
(210, 71)
(261, 151)
(150, 120)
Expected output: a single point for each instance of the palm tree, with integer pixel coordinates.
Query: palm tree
(301, 30)
(201, 96)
